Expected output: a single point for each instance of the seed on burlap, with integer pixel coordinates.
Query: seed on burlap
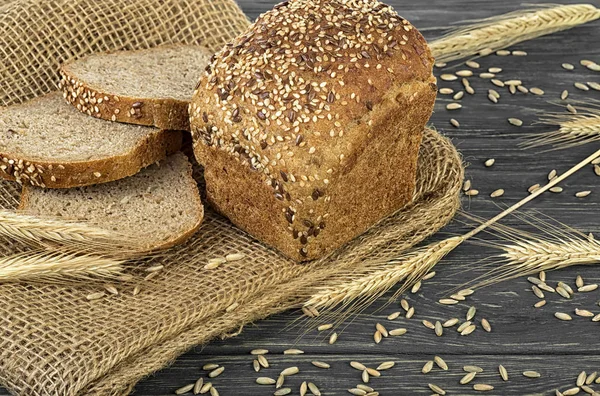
(471, 313)
(410, 312)
(582, 194)
(324, 327)
(386, 365)
(215, 263)
(497, 193)
(564, 95)
(265, 381)
(568, 66)
(562, 316)
(314, 389)
(216, 372)
(581, 378)
(377, 337)
(588, 288)
(282, 392)
(454, 123)
(428, 324)
(503, 373)
(427, 367)
(515, 122)
(470, 193)
(486, 325)
(111, 289)
(184, 389)
(450, 322)
(490, 162)
(397, 332)
(467, 378)
(415, 287)
(321, 365)
(439, 330)
(539, 304)
(381, 329)
(468, 330)
(234, 257)
(440, 363)
(449, 301)
(262, 360)
(436, 389)
(333, 338)
(536, 91)
(290, 371)
(581, 86)
(453, 106)
(531, 374)
(472, 369)
(483, 387)
(365, 376)
(463, 326)
(95, 296)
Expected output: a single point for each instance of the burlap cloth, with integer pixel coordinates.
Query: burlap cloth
(55, 342)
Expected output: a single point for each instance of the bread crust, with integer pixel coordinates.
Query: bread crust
(174, 240)
(310, 135)
(163, 113)
(63, 174)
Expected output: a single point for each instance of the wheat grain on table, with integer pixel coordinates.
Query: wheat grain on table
(523, 339)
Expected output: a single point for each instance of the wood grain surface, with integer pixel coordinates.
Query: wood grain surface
(522, 338)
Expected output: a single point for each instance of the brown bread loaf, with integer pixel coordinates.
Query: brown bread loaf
(309, 123)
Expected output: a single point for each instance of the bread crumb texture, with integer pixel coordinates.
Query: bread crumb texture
(309, 123)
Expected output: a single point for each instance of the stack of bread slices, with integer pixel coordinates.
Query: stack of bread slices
(106, 150)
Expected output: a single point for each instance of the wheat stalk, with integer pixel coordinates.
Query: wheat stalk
(55, 266)
(37, 231)
(413, 265)
(574, 129)
(500, 32)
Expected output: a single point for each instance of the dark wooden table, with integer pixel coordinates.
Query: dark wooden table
(523, 338)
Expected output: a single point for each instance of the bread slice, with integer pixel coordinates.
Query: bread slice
(47, 143)
(161, 204)
(146, 87)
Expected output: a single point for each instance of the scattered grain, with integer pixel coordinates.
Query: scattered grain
(333, 338)
(454, 123)
(582, 194)
(365, 376)
(467, 185)
(472, 369)
(458, 297)
(453, 106)
(588, 288)
(436, 389)
(377, 337)
(568, 66)
(95, 296)
(446, 91)
(523, 89)
(381, 329)
(519, 53)
(467, 378)
(394, 315)
(464, 73)
(265, 381)
(404, 304)
(449, 301)
(515, 122)
(489, 162)
(497, 193)
(428, 324)
(571, 109)
(502, 52)
(556, 190)
(571, 391)
(216, 372)
(459, 95)
(498, 83)
(184, 389)
(314, 389)
(540, 304)
(487, 75)
(579, 281)
(581, 86)
(357, 392)
(427, 367)
(463, 326)
(562, 316)
(416, 287)
(440, 363)
(439, 330)
(410, 312)
(386, 365)
(483, 387)
(471, 313)
(537, 292)
(486, 325)
(492, 98)
(324, 327)
(450, 322)
(397, 332)
(215, 263)
(468, 330)
(564, 95)
(470, 193)
(531, 374)
(293, 352)
(262, 360)
(503, 373)
(536, 91)
(448, 77)
(290, 371)
(282, 392)
(581, 378)
(472, 64)
(321, 365)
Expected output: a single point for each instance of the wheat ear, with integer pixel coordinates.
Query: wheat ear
(57, 267)
(413, 265)
(579, 126)
(36, 231)
(500, 32)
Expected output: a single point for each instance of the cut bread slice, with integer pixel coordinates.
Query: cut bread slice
(47, 143)
(160, 205)
(144, 87)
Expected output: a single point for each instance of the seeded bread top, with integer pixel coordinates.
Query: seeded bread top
(285, 96)
(160, 205)
(169, 71)
(49, 129)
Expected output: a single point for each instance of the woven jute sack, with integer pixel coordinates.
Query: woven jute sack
(54, 341)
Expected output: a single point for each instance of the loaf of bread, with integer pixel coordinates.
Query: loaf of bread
(46, 142)
(309, 123)
(145, 87)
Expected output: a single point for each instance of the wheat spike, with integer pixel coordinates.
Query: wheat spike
(573, 129)
(56, 267)
(38, 231)
(413, 265)
(500, 32)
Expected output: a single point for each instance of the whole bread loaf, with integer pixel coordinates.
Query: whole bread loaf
(309, 123)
